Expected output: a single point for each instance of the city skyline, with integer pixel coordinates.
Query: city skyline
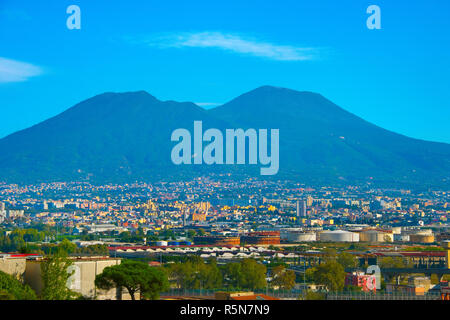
(231, 157)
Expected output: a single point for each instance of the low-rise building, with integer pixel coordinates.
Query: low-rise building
(405, 289)
(364, 281)
(82, 281)
(14, 264)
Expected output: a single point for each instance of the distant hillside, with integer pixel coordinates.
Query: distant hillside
(117, 137)
(321, 141)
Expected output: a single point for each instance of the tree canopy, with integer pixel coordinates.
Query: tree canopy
(55, 276)
(246, 274)
(331, 274)
(136, 277)
(13, 289)
(196, 274)
(392, 262)
(282, 278)
(347, 260)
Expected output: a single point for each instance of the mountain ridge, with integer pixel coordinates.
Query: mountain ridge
(126, 136)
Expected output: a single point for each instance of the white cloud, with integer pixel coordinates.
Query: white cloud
(17, 71)
(234, 43)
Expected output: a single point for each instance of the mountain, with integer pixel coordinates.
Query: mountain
(321, 141)
(112, 136)
(118, 137)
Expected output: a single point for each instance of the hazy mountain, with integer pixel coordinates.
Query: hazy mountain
(321, 141)
(112, 136)
(126, 136)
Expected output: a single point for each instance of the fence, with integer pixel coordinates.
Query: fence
(281, 294)
(298, 294)
(381, 296)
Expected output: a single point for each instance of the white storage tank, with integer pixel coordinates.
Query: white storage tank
(284, 232)
(375, 236)
(296, 236)
(339, 236)
(425, 232)
(401, 237)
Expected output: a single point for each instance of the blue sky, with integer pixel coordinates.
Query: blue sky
(210, 51)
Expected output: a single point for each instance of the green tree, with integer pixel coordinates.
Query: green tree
(139, 232)
(329, 254)
(247, 274)
(357, 246)
(347, 260)
(191, 233)
(312, 295)
(352, 288)
(282, 278)
(179, 273)
(309, 274)
(211, 275)
(125, 236)
(395, 263)
(331, 274)
(55, 277)
(97, 249)
(392, 263)
(152, 237)
(13, 289)
(18, 240)
(196, 274)
(5, 295)
(230, 273)
(67, 247)
(136, 277)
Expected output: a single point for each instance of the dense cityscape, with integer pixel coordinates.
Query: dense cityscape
(288, 229)
(224, 159)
